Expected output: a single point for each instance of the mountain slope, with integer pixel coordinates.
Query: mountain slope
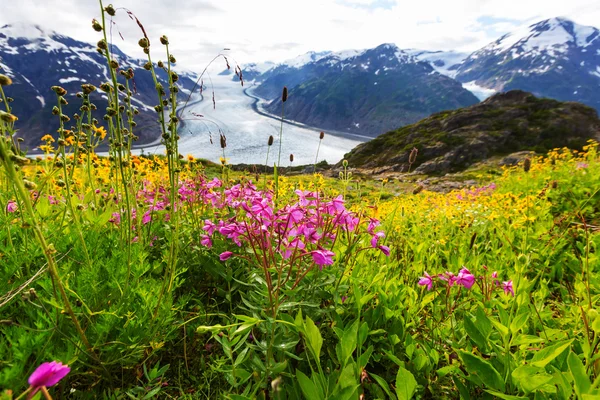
(554, 58)
(36, 60)
(504, 123)
(366, 92)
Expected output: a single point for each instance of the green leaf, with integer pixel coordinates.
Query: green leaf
(474, 333)
(309, 389)
(483, 370)
(383, 384)
(519, 322)
(501, 328)
(406, 384)
(313, 337)
(363, 360)
(582, 382)
(348, 342)
(526, 339)
(545, 356)
(505, 396)
(531, 378)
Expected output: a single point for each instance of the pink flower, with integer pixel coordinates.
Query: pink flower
(385, 250)
(495, 274)
(373, 223)
(376, 237)
(322, 257)
(225, 255)
(426, 280)
(209, 226)
(11, 206)
(508, 287)
(48, 374)
(465, 278)
(147, 217)
(205, 241)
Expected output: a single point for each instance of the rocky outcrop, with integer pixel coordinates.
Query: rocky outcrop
(503, 124)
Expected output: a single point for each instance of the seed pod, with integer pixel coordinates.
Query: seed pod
(106, 87)
(87, 88)
(59, 90)
(147, 50)
(172, 59)
(29, 185)
(102, 44)
(413, 155)
(19, 160)
(291, 158)
(144, 43)
(96, 25)
(110, 10)
(158, 108)
(5, 80)
(62, 101)
(164, 40)
(223, 141)
(114, 64)
(270, 142)
(55, 110)
(174, 76)
(160, 64)
(284, 95)
(321, 135)
(6, 117)
(148, 66)
(79, 95)
(130, 73)
(121, 87)
(64, 118)
(527, 164)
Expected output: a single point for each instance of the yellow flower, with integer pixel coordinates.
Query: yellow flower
(70, 140)
(47, 139)
(99, 132)
(190, 158)
(223, 160)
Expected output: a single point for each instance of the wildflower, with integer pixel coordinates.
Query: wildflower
(11, 207)
(225, 255)
(508, 287)
(582, 165)
(5, 80)
(376, 237)
(205, 241)
(322, 257)
(385, 250)
(47, 138)
(426, 280)
(147, 217)
(465, 278)
(48, 374)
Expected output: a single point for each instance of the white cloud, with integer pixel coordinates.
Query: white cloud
(280, 29)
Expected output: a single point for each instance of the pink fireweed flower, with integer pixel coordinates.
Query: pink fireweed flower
(373, 223)
(385, 250)
(209, 226)
(508, 287)
(465, 278)
(322, 257)
(225, 255)
(11, 206)
(427, 281)
(147, 217)
(495, 274)
(48, 374)
(376, 238)
(205, 241)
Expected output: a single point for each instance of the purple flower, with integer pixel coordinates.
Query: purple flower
(48, 374)
(11, 206)
(426, 280)
(385, 250)
(465, 278)
(376, 237)
(495, 274)
(508, 287)
(205, 241)
(225, 255)
(323, 257)
(147, 217)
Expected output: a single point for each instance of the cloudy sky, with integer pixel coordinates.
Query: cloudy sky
(275, 30)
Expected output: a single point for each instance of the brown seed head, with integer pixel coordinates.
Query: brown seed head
(110, 10)
(321, 135)
(284, 95)
(413, 155)
(143, 42)
(96, 25)
(164, 40)
(527, 164)
(270, 142)
(291, 158)
(59, 90)
(223, 141)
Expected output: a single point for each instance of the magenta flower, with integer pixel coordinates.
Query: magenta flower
(48, 374)
(11, 206)
(465, 278)
(225, 255)
(205, 241)
(495, 274)
(323, 257)
(376, 237)
(385, 250)
(426, 280)
(147, 217)
(508, 287)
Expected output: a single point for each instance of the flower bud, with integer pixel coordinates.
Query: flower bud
(6, 117)
(164, 40)
(102, 44)
(143, 42)
(110, 10)
(345, 163)
(148, 66)
(87, 88)
(174, 76)
(160, 64)
(172, 59)
(96, 25)
(114, 64)
(29, 185)
(59, 90)
(5, 80)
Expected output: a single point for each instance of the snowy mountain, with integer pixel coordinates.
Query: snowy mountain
(367, 92)
(37, 59)
(554, 58)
